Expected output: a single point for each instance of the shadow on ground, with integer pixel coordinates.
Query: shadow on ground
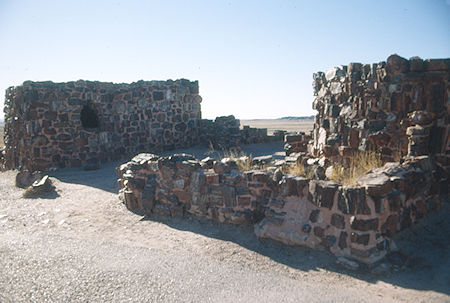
(423, 261)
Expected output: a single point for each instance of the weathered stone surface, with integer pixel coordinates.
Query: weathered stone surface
(338, 221)
(374, 100)
(352, 200)
(360, 238)
(25, 178)
(389, 228)
(314, 215)
(376, 184)
(96, 120)
(322, 193)
(342, 240)
(39, 187)
(363, 224)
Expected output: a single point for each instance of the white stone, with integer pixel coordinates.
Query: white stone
(336, 88)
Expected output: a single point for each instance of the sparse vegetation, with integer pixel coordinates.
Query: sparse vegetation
(243, 161)
(296, 170)
(2, 132)
(360, 164)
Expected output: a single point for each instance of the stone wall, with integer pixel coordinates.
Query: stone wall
(371, 106)
(83, 123)
(296, 143)
(354, 221)
(224, 132)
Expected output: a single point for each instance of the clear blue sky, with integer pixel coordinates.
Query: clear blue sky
(253, 59)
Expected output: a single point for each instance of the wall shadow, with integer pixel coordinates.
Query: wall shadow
(421, 263)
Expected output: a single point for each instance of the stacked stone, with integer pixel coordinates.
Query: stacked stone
(367, 107)
(83, 123)
(251, 135)
(296, 143)
(224, 132)
(354, 221)
(221, 133)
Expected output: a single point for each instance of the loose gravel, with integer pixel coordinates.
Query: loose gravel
(80, 244)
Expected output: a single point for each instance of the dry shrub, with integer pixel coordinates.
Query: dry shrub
(2, 133)
(360, 164)
(243, 161)
(298, 170)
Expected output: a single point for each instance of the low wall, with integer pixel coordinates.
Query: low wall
(296, 143)
(355, 221)
(224, 132)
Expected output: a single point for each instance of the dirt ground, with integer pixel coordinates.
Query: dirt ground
(294, 125)
(80, 244)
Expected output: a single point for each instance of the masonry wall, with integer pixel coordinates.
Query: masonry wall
(84, 123)
(224, 132)
(355, 221)
(371, 106)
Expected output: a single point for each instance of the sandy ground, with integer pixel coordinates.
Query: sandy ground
(80, 244)
(280, 124)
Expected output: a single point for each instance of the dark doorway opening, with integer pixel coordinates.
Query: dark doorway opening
(89, 117)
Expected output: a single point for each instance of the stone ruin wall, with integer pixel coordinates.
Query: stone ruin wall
(44, 127)
(399, 107)
(353, 221)
(44, 123)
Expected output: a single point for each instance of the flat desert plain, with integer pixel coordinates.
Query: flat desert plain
(290, 125)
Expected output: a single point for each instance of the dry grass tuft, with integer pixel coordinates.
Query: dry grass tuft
(296, 170)
(243, 161)
(2, 133)
(360, 164)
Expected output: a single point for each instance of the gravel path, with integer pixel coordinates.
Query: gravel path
(80, 244)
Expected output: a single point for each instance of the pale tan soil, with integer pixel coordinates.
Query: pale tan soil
(80, 244)
(280, 124)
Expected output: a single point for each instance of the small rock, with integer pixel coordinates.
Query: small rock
(25, 178)
(277, 175)
(39, 187)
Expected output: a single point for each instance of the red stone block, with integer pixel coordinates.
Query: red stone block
(329, 151)
(212, 178)
(346, 151)
(437, 64)
(244, 201)
(183, 196)
(389, 228)
(396, 65)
